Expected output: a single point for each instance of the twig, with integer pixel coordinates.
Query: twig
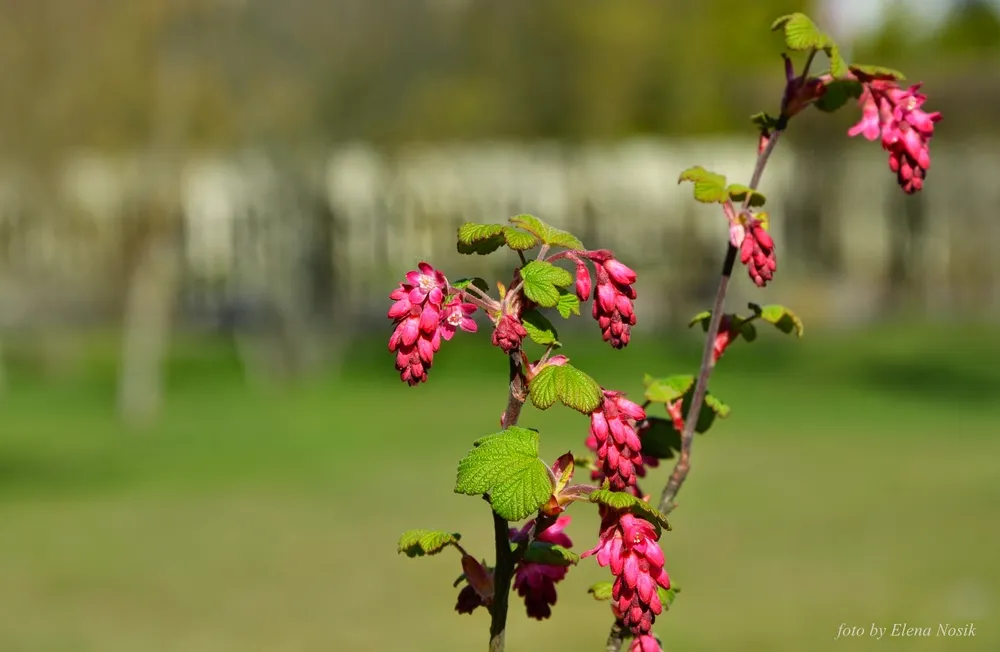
(503, 573)
(683, 465)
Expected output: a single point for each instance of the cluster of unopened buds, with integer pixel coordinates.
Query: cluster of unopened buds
(615, 440)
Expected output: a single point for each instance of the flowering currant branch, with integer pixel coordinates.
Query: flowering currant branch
(624, 440)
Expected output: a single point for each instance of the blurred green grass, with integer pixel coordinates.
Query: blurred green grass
(854, 482)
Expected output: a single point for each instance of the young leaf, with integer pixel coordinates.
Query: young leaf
(569, 304)
(542, 388)
(721, 409)
(748, 331)
(660, 439)
(764, 121)
(709, 187)
(417, 543)
(480, 238)
(877, 71)
(711, 407)
(546, 233)
(519, 240)
(542, 281)
(463, 283)
(738, 192)
(838, 93)
(702, 318)
(671, 388)
(784, 319)
(543, 552)
(540, 329)
(667, 596)
(576, 389)
(601, 590)
(838, 67)
(505, 465)
(622, 501)
(801, 32)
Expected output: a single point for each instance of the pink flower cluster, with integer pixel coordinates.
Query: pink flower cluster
(535, 582)
(613, 308)
(906, 129)
(756, 250)
(421, 318)
(614, 439)
(629, 545)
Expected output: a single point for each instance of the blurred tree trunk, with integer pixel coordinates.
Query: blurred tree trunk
(149, 303)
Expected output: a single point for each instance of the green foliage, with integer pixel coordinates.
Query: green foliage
(838, 93)
(542, 281)
(519, 240)
(738, 192)
(572, 387)
(601, 590)
(624, 501)
(660, 439)
(709, 187)
(417, 543)
(764, 121)
(463, 283)
(568, 304)
(671, 388)
(540, 329)
(801, 32)
(480, 239)
(784, 319)
(543, 552)
(878, 71)
(546, 233)
(667, 596)
(505, 465)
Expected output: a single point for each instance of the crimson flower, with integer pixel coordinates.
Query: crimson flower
(536, 582)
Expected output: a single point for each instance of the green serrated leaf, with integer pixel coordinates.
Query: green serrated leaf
(480, 238)
(505, 465)
(542, 388)
(784, 319)
(417, 543)
(568, 304)
(709, 187)
(660, 439)
(540, 329)
(542, 281)
(838, 93)
(764, 121)
(547, 233)
(576, 389)
(671, 388)
(463, 283)
(801, 32)
(721, 409)
(601, 590)
(738, 192)
(543, 552)
(622, 501)
(519, 240)
(877, 71)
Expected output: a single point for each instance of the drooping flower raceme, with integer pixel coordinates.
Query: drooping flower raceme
(421, 319)
(629, 545)
(614, 439)
(535, 582)
(613, 297)
(906, 129)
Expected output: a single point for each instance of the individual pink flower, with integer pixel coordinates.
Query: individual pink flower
(616, 443)
(629, 546)
(455, 315)
(421, 321)
(613, 297)
(757, 252)
(906, 129)
(478, 589)
(508, 333)
(535, 582)
(645, 643)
